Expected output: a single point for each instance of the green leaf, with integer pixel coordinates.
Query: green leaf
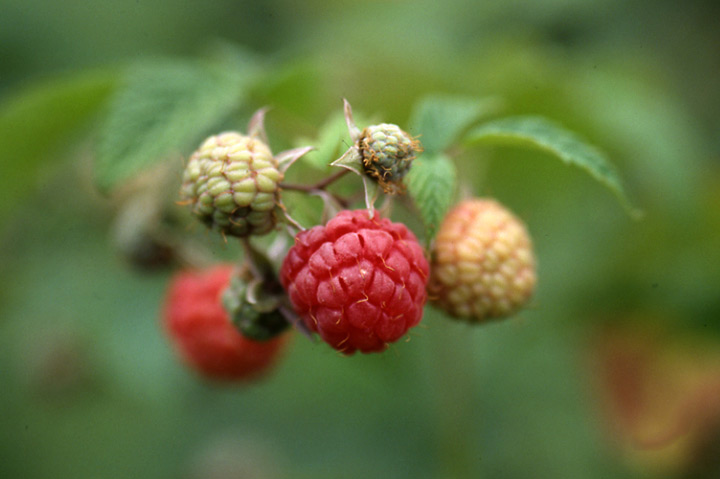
(332, 141)
(39, 120)
(163, 108)
(440, 120)
(431, 184)
(541, 133)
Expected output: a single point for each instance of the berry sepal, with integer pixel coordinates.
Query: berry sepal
(256, 302)
(352, 160)
(253, 306)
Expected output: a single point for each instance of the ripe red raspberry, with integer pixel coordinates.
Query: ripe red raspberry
(358, 282)
(202, 332)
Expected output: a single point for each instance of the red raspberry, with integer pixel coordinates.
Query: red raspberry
(201, 330)
(358, 282)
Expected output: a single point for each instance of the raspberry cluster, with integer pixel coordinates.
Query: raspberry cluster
(359, 281)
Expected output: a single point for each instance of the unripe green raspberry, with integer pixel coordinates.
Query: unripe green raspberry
(483, 264)
(253, 306)
(387, 154)
(231, 183)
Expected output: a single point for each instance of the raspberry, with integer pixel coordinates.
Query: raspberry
(231, 183)
(202, 332)
(253, 305)
(387, 153)
(381, 154)
(358, 282)
(483, 265)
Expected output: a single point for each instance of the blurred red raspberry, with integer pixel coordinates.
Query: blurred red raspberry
(358, 282)
(202, 333)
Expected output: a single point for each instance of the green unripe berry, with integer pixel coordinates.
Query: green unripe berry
(387, 154)
(253, 306)
(231, 183)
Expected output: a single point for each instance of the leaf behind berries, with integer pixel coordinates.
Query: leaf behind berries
(331, 142)
(440, 120)
(431, 184)
(163, 108)
(41, 119)
(543, 134)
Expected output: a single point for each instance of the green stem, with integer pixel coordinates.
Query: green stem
(259, 264)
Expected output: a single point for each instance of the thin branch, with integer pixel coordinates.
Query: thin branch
(321, 185)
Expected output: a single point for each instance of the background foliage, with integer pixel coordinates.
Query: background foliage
(90, 387)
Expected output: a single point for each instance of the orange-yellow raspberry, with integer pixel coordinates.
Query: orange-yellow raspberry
(483, 264)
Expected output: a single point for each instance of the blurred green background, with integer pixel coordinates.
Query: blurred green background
(90, 388)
